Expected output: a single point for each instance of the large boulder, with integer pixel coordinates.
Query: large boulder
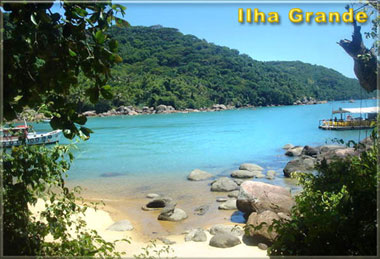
(243, 174)
(327, 148)
(224, 240)
(332, 154)
(230, 229)
(258, 197)
(198, 175)
(250, 167)
(223, 184)
(300, 164)
(171, 213)
(295, 151)
(196, 235)
(122, 225)
(265, 219)
(228, 205)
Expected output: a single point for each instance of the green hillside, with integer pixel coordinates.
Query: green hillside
(163, 66)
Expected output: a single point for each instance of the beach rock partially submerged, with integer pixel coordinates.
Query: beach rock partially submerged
(250, 167)
(158, 203)
(196, 235)
(243, 174)
(223, 184)
(171, 213)
(229, 229)
(228, 205)
(199, 175)
(295, 151)
(122, 225)
(201, 210)
(224, 240)
(265, 219)
(300, 164)
(258, 197)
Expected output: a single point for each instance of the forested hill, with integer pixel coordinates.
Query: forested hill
(163, 66)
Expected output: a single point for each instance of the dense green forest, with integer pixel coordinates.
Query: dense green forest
(163, 66)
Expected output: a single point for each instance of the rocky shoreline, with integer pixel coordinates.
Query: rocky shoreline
(260, 203)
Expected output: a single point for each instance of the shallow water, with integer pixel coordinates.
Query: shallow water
(130, 156)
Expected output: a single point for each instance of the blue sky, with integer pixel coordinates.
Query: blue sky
(312, 43)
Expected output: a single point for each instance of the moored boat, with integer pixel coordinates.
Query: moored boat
(349, 119)
(15, 136)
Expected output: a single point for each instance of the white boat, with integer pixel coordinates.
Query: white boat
(348, 121)
(15, 136)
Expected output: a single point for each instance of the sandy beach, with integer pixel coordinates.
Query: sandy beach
(102, 218)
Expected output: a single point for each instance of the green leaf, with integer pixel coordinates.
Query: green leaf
(121, 23)
(33, 19)
(72, 53)
(100, 37)
(86, 131)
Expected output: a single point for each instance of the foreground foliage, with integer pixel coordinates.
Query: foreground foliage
(36, 172)
(336, 213)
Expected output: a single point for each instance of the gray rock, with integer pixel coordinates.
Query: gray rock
(250, 167)
(224, 184)
(198, 175)
(201, 210)
(228, 205)
(233, 194)
(243, 174)
(166, 241)
(152, 195)
(295, 151)
(258, 197)
(262, 246)
(122, 225)
(259, 175)
(300, 164)
(221, 199)
(288, 146)
(327, 148)
(224, 240)
(172, 214)
(265, 219)
(310, 151)
(196, 235)
(229, 229)
(158, 203)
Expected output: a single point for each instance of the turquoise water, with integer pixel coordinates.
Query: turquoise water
(171, 145)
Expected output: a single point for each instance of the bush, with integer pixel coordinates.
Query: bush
(336, 213)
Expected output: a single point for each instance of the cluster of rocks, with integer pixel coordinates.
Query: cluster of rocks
(130, 110)
(223, 236)
(169, 212)
(261, 204)
(306, 157)
(308, 100)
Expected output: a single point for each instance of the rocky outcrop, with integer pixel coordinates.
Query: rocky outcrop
(122, 225)
(258, 197)
(164, 108)
(223, 184)
(310, 151)
(224, 240)
(288, 146)
(299, 164)
(199, 175)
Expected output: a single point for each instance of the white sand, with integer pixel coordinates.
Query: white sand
(100, 220)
